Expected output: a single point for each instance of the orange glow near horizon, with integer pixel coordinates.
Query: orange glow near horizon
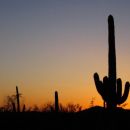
(81, 92)
(73, 80)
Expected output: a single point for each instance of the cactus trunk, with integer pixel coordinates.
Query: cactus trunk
(18, 101)
(111, 59)
(56, 102)
(111, 51)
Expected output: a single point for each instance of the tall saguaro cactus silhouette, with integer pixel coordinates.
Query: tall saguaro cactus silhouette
(18, 100)
(111, 88)
(56, 102)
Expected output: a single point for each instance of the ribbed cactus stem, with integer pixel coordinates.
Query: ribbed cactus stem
(56, 102)
(111, 52)
(111, 59)
(18, 101)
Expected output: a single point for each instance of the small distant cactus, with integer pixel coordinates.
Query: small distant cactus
(56, 102)
(18, 99)
(111, 88)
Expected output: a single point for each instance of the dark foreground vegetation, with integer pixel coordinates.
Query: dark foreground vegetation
(96, 118)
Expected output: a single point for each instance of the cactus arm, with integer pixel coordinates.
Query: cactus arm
(106, 87)
(126, 93)
(119, 89)
(99, 84)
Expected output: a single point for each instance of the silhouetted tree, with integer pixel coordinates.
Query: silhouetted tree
(9, 104)
(92, 102)
(48, 107)
(35, 108)
(111, 88)
(12, 103)
(70, 107)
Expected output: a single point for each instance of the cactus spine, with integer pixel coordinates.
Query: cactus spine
(56, 102)
(18, 100)
(111, 88)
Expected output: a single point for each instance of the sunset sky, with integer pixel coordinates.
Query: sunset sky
(48, 45)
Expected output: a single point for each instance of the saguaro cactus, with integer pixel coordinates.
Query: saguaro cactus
(111, 88)
(18, 100)
(56, 102)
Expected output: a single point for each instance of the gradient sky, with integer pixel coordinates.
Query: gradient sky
(48, 45)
